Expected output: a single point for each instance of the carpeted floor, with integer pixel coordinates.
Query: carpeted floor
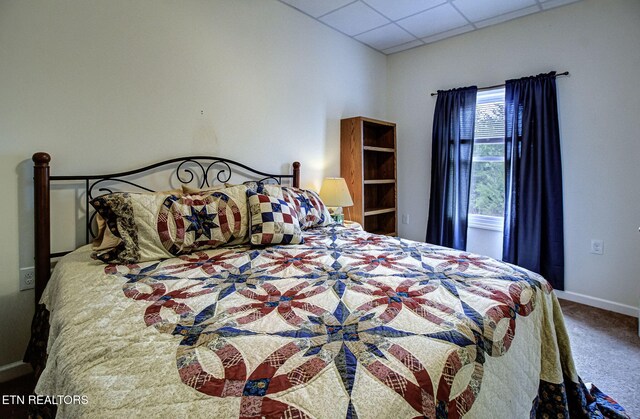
(605, 345)
(606, 351)
(22, 386)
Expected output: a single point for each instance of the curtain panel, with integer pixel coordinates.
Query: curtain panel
(533, 222)
(452, 151)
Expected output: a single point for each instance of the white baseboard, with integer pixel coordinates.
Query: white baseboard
(14, 370)
(598, 302)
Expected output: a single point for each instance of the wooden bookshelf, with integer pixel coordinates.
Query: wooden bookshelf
(368, 165)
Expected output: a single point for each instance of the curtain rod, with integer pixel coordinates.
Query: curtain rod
(566, 73)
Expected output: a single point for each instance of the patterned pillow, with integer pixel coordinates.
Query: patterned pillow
(273, 221)
(309, 207)
(143, 227)
(255, 186)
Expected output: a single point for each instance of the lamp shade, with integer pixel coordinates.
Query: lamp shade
(334, 192)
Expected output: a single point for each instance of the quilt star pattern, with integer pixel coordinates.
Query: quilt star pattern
(381, 324)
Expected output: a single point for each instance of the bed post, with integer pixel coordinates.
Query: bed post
(42, 237)
(296, 174)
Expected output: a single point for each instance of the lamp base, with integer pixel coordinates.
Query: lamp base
(336, 215)
(338, 218)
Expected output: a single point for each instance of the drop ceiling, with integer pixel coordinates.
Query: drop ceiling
(391, 26)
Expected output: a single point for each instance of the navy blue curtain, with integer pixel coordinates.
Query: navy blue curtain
(452, 145)
(533, 227)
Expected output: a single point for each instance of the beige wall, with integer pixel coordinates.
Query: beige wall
(108, 85)
(599, 105)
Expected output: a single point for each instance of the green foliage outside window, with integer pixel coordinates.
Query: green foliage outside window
(487, 173)
(487, 195)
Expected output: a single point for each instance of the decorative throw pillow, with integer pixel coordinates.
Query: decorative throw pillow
(273, 221)
(309, 207)
(273, 190)
(255, 186)
(263, 187)
(145, 227)
(104, 239)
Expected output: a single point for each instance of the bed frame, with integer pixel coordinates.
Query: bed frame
(201, 171)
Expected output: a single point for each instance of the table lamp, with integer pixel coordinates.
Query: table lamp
(335, 195)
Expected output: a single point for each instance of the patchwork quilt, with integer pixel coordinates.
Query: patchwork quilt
(346, 324)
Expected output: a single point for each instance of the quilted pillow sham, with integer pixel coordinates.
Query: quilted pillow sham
(142, 227)
(310, 209)
(273, 221)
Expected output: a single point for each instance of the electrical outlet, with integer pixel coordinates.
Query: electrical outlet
(27, 278)
(597, 247)
(405, 218)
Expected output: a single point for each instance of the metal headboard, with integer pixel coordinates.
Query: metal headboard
(203, 170)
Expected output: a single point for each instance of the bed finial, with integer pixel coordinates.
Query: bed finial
(42, 236)
(41, 159)
(296, 174)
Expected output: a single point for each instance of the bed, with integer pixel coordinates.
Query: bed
(344, 324)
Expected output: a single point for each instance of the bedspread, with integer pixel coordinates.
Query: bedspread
(348, 324)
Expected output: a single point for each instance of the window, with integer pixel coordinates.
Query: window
(486, 200)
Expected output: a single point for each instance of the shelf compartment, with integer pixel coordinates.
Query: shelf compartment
(381, 224)
(379, 166)
(379, 196)
(377, 134)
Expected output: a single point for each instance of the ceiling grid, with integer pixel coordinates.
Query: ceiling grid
(391, 26)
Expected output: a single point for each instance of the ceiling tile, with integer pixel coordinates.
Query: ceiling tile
(447, 34)
(476, 10)
(507, 16)
(317, 8)
(556, 3)
(354, 19)
(397, 9)
(385, 37)
(403, 47)
(433, 21)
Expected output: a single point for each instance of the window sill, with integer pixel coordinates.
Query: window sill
(485, 226)
(486, 222)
